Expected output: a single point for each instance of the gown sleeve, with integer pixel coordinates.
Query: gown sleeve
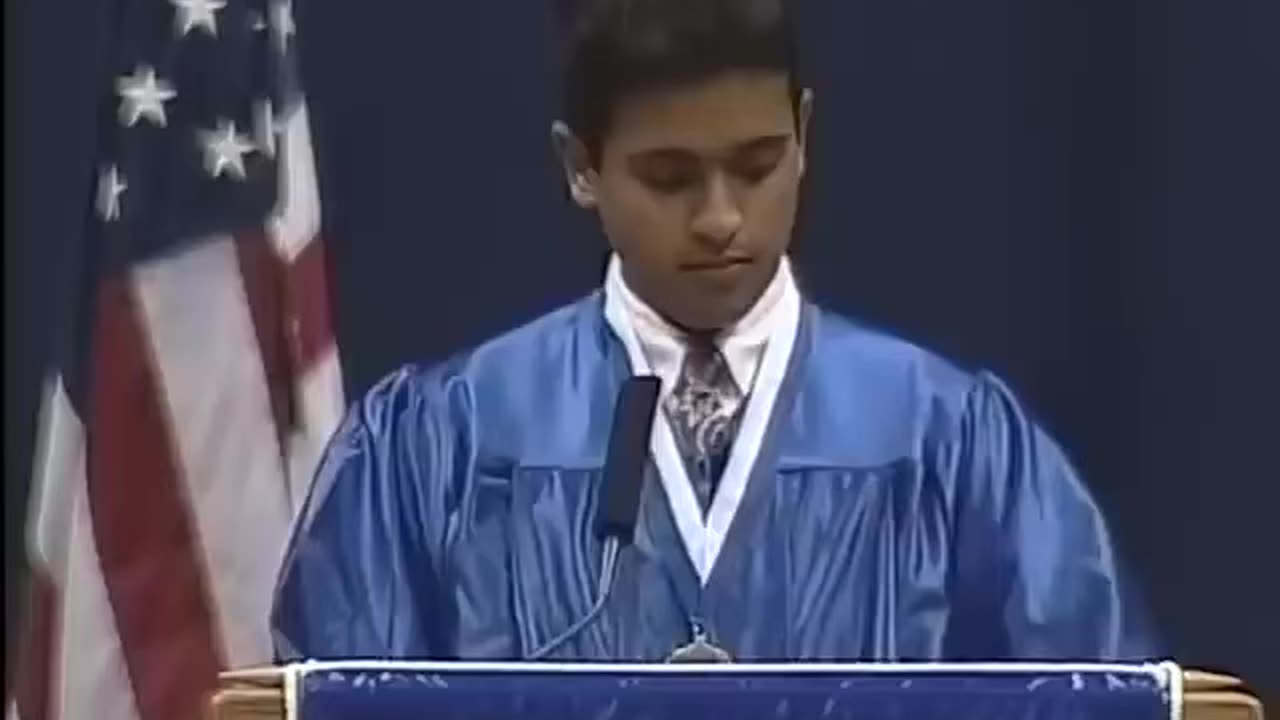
(359, 577)
(1039, 577)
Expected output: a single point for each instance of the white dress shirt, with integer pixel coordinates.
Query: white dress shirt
(742, 346)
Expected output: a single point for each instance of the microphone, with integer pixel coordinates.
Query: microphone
(628, 455)
(624, 468)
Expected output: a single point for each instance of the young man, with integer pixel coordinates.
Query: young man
(817, 490)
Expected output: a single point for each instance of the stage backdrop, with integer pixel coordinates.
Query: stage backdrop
(1081, 195)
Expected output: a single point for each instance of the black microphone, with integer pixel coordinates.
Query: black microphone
(628, 456)
(624, 469)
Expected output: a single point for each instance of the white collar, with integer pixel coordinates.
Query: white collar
(742, 345)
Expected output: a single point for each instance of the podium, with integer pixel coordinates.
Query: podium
(391, 690)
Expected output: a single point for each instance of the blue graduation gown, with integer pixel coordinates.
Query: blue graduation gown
(898, 509)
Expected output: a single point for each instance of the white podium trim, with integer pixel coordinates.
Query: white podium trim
(1163, 671)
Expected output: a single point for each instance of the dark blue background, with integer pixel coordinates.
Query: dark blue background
(1083, 195)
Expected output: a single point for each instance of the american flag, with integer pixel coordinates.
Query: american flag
(199, 379)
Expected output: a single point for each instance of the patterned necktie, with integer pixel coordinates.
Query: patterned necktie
(703, 409)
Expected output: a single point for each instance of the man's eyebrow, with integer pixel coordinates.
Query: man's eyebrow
(664, 154)
(762, 142)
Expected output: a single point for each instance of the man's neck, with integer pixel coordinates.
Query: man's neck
(743, 345)
(781, 281)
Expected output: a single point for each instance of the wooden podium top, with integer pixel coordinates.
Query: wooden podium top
(1210, 696)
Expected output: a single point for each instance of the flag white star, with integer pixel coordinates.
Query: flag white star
(142, 95)
(197, 13)
(224, 150)
(110, 187)
(282, 23)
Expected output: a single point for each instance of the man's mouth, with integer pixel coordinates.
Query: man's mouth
(714, 264)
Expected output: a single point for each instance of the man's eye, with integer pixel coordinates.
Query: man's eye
(669, 181)
(755, 173)
(755, 170)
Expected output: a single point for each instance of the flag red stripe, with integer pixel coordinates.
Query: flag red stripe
(35, 676)
(308, 295)
(148, 550)
(264, 275)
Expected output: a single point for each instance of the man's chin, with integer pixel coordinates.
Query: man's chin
(700, 304)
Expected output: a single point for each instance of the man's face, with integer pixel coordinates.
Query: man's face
(697, 186)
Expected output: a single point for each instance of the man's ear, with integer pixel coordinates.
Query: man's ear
(576, 162)
(803, 113)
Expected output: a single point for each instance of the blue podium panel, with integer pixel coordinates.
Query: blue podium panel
(445, 691)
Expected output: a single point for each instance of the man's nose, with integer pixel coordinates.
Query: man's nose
(719, 217)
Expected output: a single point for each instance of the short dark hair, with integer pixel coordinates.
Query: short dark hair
(617, 47)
